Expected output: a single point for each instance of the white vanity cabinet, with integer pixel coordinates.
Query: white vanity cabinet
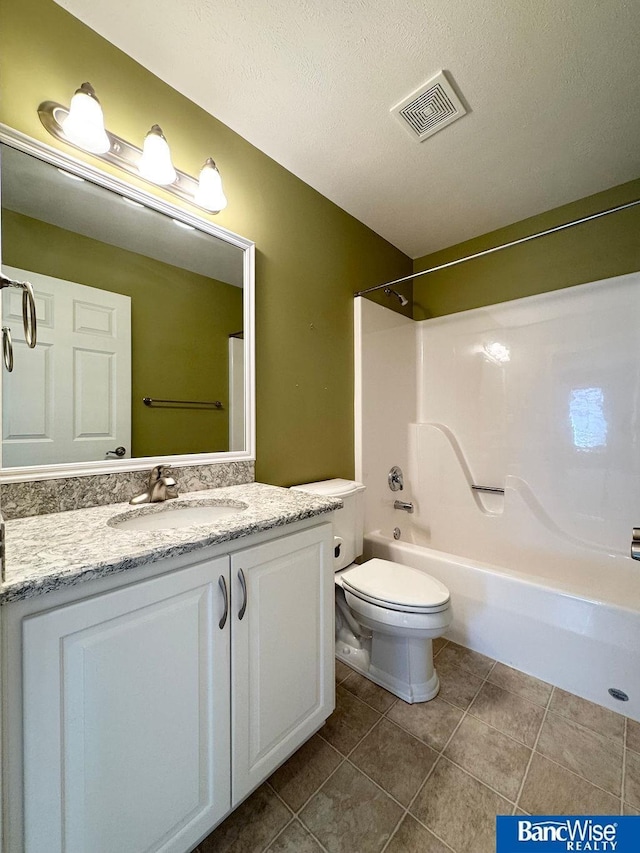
(126, 717)
(282, 680)
(148, 716)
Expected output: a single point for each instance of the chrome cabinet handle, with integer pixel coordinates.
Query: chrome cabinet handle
(243, 584)
(7, 348)
(225, 597)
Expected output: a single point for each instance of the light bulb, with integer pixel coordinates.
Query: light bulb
(155, 164)
(84, 125)
(210, 194)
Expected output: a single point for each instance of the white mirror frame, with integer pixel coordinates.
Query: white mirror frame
(24, 143)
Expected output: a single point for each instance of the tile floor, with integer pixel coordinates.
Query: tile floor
(382, 775)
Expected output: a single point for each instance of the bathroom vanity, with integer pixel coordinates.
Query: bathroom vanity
(158, 662)
(153, 678)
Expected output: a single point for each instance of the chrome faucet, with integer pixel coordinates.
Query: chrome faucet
(161, 488)
(635, 544)
(404, 505)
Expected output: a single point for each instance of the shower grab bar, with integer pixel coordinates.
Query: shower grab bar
(492, 489)
(152, 401)
(29, 320)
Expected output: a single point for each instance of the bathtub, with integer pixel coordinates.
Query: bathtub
(584, 639)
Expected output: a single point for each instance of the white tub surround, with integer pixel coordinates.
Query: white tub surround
(385, 401)
(537, 399)
(48, 552)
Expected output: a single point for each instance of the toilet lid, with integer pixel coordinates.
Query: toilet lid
(385, 582)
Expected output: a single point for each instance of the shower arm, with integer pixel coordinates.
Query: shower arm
(518, 242)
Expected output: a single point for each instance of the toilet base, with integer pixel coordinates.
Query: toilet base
(411, 692)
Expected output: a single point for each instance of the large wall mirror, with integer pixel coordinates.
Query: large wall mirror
(145, 348)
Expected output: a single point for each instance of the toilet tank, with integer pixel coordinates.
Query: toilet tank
(348, 522)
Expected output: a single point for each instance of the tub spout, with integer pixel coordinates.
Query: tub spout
(406, 506)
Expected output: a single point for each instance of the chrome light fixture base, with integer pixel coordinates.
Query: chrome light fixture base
(121, 153)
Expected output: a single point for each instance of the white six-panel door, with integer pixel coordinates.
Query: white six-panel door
(69, 399)
(282, 682)
(126, 723)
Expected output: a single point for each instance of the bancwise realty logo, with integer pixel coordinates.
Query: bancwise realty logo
(595, 833)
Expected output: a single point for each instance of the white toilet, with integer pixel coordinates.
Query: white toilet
(387, 613)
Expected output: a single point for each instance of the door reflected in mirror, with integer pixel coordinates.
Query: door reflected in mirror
(131, 304)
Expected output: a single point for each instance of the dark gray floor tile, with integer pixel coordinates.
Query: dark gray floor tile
(350, 721)
(368, 692)
(633, 735)
(342, 671)
(349, 813)
(251, 827)
(491, 756)
(398, 762)
(411, 837)
(588, 714)
(518, 682)
(510, 714)
(457, 686)
(587, 753)
(305, 771)
(476, 663)
(550, 789)
(438, 645)
(459, 809)
(433, 722)
(294, 839)
(632, 779)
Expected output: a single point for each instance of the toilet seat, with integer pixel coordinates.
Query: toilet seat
(395, 586)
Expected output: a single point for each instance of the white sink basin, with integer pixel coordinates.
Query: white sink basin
(170, 517)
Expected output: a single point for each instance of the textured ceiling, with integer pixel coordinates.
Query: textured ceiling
(552, 88)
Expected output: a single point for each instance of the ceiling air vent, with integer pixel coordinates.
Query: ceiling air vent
(430, 108)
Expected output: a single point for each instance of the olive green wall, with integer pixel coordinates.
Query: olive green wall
(311, 255)
(599, 249)
(179, 321)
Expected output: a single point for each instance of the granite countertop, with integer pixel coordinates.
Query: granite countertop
(48, 552)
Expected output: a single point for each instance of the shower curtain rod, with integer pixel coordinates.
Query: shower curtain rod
(503, 246)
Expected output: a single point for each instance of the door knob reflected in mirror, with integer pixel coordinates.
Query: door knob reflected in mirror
(119, 452)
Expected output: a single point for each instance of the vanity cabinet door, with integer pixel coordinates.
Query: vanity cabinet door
(282, 683)
(126, 717)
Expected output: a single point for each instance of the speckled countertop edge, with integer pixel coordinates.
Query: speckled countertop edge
(48, 552)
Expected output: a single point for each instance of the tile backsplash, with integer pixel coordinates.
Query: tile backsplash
(39, 497)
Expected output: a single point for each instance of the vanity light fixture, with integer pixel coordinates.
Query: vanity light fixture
(82, 126)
